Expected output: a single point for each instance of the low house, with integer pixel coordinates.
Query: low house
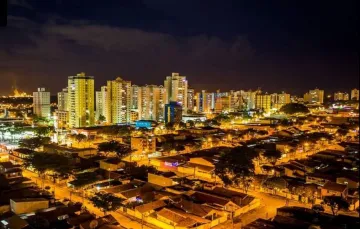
(293, 170)
(107, 221)
(149, 208)
(17, 156)
(112, 164)
(14, 222)
(178, 219)
(198, 171)
(78, 152)
(9, 170)
(351, 181)
(225, 200)
(28, 205)
(334, 189)
(162, 179)
(319, 178)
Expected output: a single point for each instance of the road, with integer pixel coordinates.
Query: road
(62, 192)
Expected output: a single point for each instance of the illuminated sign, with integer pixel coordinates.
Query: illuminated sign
(171, 164)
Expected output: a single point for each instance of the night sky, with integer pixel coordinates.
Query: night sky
(276, 45)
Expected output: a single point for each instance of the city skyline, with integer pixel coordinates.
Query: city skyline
(278, 47)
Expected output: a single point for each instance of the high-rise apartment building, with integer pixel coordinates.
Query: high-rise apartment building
(263, 101)
(41, 103)
(118, 101)
(205, 101)
(100, 105)
(151, 102)
(355, 94)
(279, 100)
(341, 96)
(177, 89)
(314, 96)
(62, 98)
(81, 100)
(190, 99)
(135, 97)
(173, 112)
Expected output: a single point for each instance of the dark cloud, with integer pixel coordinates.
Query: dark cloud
(104, 51)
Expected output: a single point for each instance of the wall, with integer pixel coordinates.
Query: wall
(27, 207)
(159, 180)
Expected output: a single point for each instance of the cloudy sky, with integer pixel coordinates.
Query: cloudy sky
(275, 45)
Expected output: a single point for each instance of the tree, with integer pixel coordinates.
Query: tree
(168, 146)
(33, 143)
(121, 150)
(170, 126)
(236, 166)
(336, 203)
(272, 156)
(106, 202)
(80, 137)
(191, 123)
(293, 108)
(43, 162)
(101, 118)
(43, 131)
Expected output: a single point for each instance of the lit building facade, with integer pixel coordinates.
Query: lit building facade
(173, 112)
(205, 101)
(81, 100)
(176, 87)
(41, 103)
(62, 98)
(100, 105)
(263, 101)
(279, 100)
(151, 102)
(118, 101)
(341, 96)
(355, 94)
(190, 99)
(143, 144)
(315, 96)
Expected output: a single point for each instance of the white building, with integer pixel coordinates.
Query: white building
(41, 103)
(177, 89)
(81, 100)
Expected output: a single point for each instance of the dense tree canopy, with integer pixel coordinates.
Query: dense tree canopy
(42, 162)
(236, 167)
(293, 108)
(33, 143)
(106, 202)
(121, 150)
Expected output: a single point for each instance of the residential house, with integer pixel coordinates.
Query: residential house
(10, 171)
(105, 222)
(28, 205)
(112, 164)
(14, 222)
(76, 152)
(334, 189)
(293, 170)
(351, 180)
(163, 179)
(319, 178)
(225, 200)
(17, 156)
